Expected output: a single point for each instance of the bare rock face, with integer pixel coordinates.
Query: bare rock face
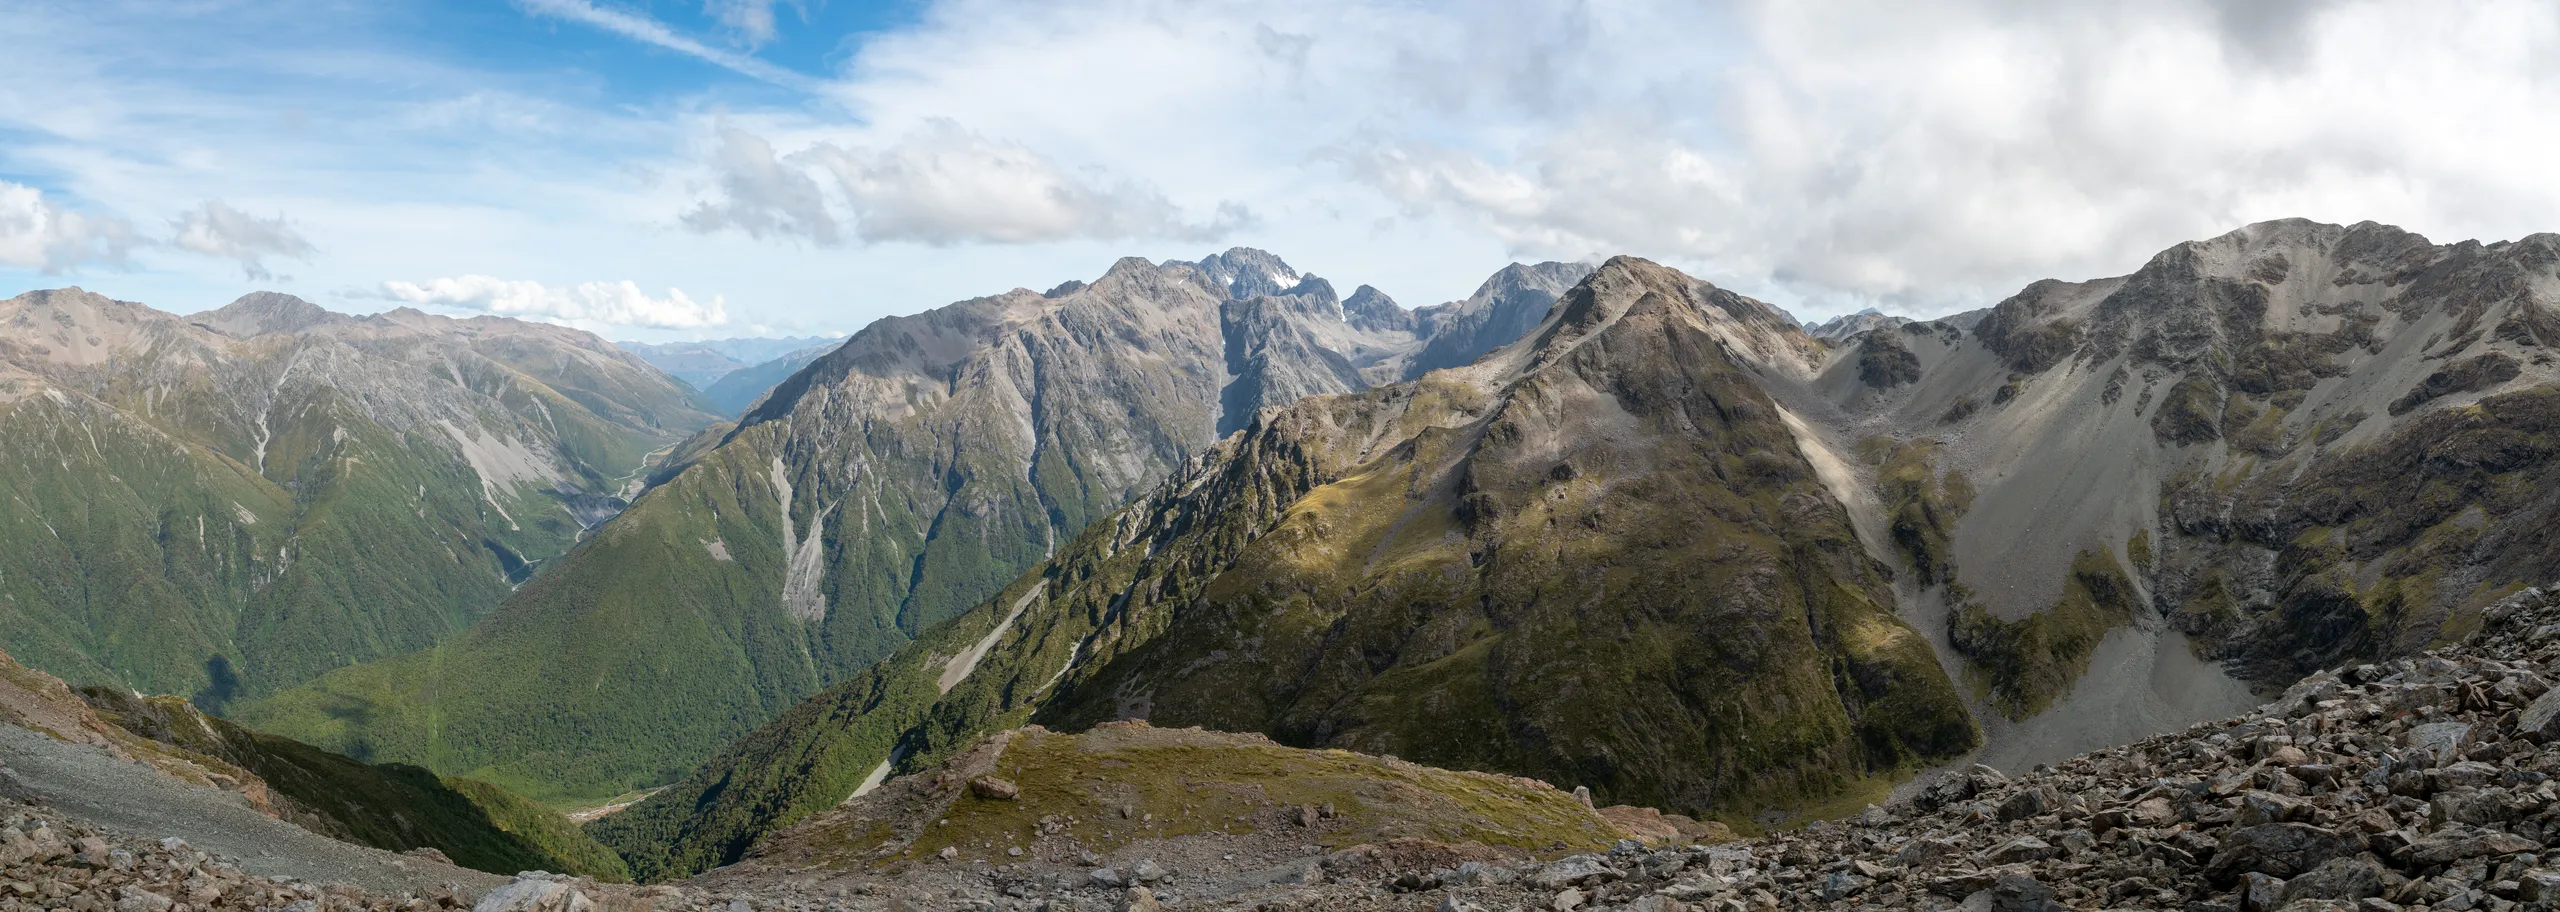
(2129, 501)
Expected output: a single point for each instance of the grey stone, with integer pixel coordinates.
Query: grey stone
(1571, 871)
(2018, 893)
(2442, 740)
(2260, 893)
(2277, 849)
(2349, 878)
(2459, 841)
(535, 894)
(2020, 849)
(2031, 802)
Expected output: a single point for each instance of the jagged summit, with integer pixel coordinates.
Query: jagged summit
(1243, 272)
(1846, 326)
(1509, 304)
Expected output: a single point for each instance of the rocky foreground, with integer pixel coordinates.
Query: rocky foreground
(48, 862)
(2420, 783)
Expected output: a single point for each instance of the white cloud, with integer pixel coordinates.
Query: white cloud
(761, 195)
(618, 304)
(37, 234)
(751, 22)
(215, 229)
(1931, 158)
(940, 184)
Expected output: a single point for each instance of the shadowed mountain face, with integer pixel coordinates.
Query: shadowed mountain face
(885, 487)
(234, 502)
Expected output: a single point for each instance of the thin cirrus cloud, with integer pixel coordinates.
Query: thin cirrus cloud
(590, 304)
(739, 15)
(939, 184)
(216, 229)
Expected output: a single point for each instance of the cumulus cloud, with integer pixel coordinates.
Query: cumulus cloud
(761, 195)
(37, 234)
(218, 230)
(939, 184)
(620, 304)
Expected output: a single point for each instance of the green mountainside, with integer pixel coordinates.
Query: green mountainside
(228, 504)
(1598, 557)
(884, 488)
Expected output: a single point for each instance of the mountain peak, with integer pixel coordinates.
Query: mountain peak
(261, 312)
(1244, 272)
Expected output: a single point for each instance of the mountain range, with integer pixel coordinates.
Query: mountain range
(1672, 547)
(884, 488)
(1608, 527)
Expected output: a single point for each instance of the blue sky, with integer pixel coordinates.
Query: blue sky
(687, 169)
